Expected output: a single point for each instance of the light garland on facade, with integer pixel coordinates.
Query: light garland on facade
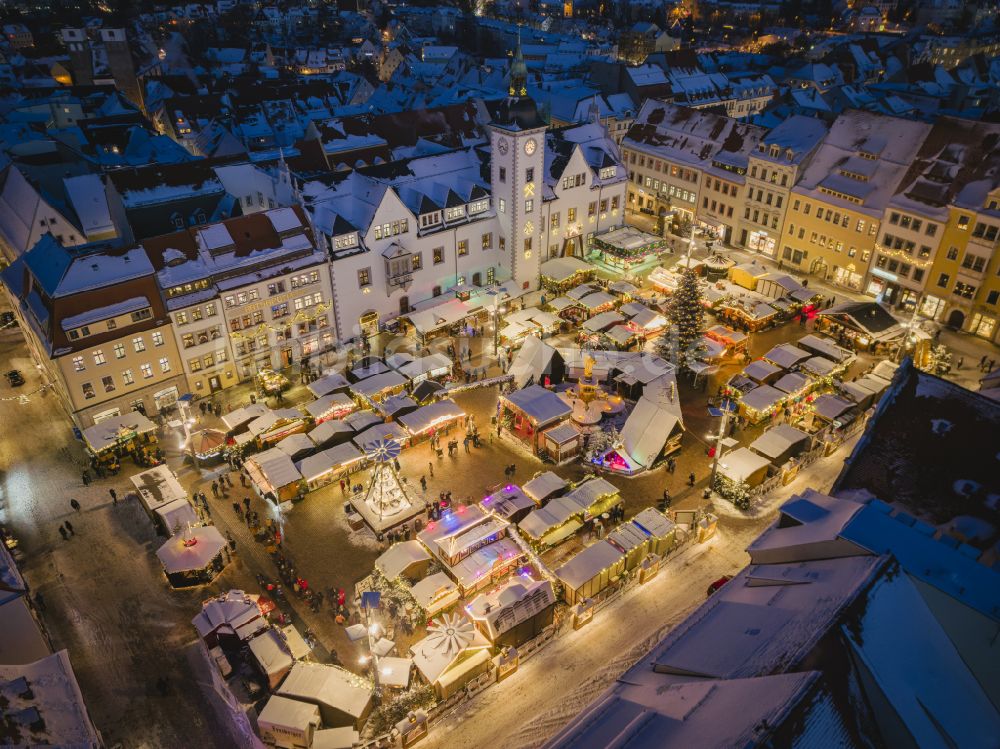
(248, 334)
(903, 255)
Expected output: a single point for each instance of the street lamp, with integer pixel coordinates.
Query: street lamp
(718, 443)
(496, 292)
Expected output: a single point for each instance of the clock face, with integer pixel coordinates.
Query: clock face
(530, 146)
(503, 146)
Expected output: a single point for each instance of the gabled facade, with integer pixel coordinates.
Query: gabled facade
(96, 324)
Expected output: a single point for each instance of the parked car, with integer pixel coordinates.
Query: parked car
(15, 378)
(714, 587)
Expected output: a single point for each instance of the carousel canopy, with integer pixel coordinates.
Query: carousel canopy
(191, 550)
(207, 441)
(116, 430)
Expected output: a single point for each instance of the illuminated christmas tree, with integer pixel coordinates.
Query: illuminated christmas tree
(679, 342)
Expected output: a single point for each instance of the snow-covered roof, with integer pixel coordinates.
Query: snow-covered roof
(327, 384)
(763, 397)
(326, 460)
(792, 382)
(432, 589)
(235, 419)
(43, 705)
(436, 363)
(935, 563)
(158, 486)
(540, 405)
(380, 431)
(293, 715)
(590, 491)
(376, 384)
(918, 670)
(786, 355)
(808, 527)
(106, 434)
(332, 686)
(588, 564)
(740, 464)
(603, 321)
(532, 362)
(394, 561)
(179, 555)
(507, 501)
(544, 485)
(86, 195)
(426, 417)
(561, 269)
(650, 425)
(276, 467)
(233, 612)
(294, 444)
(448, 639)
(773, 443)
(830, 406)
(328, 430)
(329, 402)
(503, 608)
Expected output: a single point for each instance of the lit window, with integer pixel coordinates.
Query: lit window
(147, 370)
(99, 357)
(164, 364)
(139, 344)
(157, 339)
(127, 377)
(78, 363)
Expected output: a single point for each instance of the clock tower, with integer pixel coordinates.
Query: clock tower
(517, 142)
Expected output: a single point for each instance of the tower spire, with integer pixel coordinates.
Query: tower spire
(518, 84)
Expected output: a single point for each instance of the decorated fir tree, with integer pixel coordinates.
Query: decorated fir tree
(679, 342)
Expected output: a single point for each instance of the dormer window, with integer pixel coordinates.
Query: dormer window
(345, 241)
(609, 172)
(452, 214)
(479, 206)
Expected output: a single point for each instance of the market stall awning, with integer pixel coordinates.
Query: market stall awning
(327, 384)
(335, 404)
(763, 398)
(437, 317)
(316, 466)
(562, 269)
(603, 321)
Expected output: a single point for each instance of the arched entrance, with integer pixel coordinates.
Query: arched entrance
(956, 319)
(819, 267)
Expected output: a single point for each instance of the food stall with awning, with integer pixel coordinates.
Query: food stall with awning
(602, 321)
(379, 387)
(127, 432)
(427, 322)
(333, 382)
(829, 409)
(508, 502)
(435, 593)
(621, 336)
(193, 557)
(274, 476)
(794, 384)
(562, 273)
(623, 289)
(330, 465)
(627, 246)
(597, 301)
(864, 324)
(428, 419)
(762, 372)
(331, 406)
(752, 314)
(826, 348)
(647, 322)
(820, 366)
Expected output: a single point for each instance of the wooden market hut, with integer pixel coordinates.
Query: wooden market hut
(588, 573)
(331, 406)
(332, 382)
(525, 413)
(125, 433)
(426, 420)
(379, 387)
(516, 613)
(563, 273)
(761, 402)
(331, 464)
(743, 465)
(274, 476)
(544, 486)
(508, 502)
(164, 499)
(627, 247)
(747, 275)
(781, 443)
(561, 443)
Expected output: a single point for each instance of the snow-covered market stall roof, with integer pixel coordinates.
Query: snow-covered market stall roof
(538, 404)
(271, 470)
(430, 416)
(327, 384)
(117, 430)
(192, 550)
(741, 464)
(243, 416)
(544, 485)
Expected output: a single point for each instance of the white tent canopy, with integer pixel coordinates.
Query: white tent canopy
(180, 555)
(109, 432)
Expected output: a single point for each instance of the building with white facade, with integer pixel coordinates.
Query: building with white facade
(244, 295)
(411, 234)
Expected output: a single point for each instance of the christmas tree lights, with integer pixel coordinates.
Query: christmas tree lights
(679, 342)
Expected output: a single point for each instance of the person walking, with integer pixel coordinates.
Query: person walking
(671, 465)
(74, 504)
(69, 527)
(215, 489)
(961, 361)
(691, 479)
(243, 480)
(246, 503)
(114, 496)
(86, 478)
(231, 540)
(423, 483)
(236, 508)
(430, 468)
(63, 533)
(228, 480)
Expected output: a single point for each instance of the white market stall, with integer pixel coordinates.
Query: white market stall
(428, 419)
(164, 499)
(274, 475)
(329, 465)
